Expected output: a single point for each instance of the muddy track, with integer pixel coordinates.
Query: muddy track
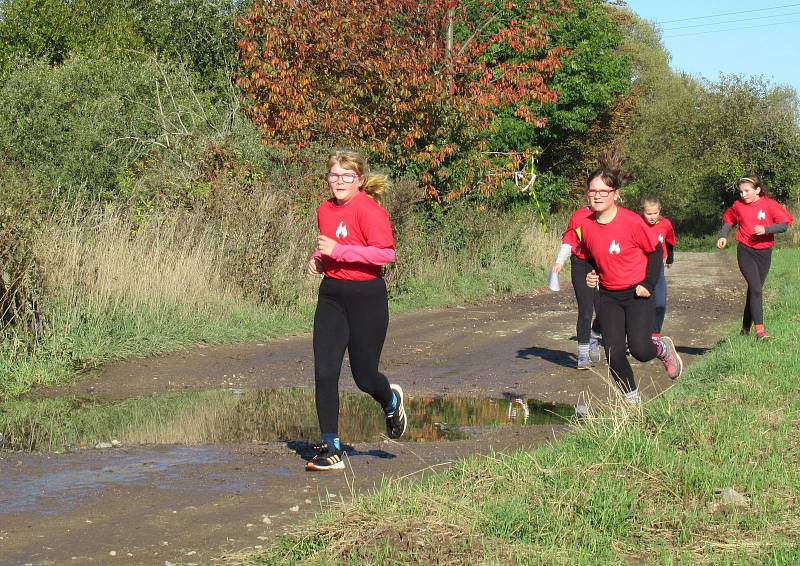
(192, 504)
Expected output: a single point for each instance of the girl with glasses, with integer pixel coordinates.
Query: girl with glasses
(355, 241)
(759, 219)
(626, 259)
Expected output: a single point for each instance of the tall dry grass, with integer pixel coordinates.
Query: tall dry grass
(103, 258)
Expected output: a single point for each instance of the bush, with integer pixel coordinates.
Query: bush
(77, 127)
(20, 276)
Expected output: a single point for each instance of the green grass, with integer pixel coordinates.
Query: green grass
(628, 486)
(125, 331)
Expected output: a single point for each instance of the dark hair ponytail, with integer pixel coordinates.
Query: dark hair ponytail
(609, 169)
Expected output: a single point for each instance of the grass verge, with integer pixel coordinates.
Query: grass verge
(709, 472)
(115, 289)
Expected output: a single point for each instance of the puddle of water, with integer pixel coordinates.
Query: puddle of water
(64, 484)
(232, 416)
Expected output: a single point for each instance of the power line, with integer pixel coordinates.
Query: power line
(733, 29)
(728, 14)
(732, 21)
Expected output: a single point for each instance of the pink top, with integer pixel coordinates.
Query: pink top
(665, 232)
(575, 220)
(619, 249)
(363, 234)
(762, 212)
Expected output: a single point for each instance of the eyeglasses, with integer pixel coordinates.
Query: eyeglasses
(345, 177)
(600, 193)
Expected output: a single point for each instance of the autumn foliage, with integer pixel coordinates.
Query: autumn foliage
(414, 82)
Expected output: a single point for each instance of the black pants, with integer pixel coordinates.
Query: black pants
(626, 320)
(660, 297)
(352, 315)
(754, 265)
(585, 297)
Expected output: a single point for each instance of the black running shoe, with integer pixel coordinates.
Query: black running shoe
(327, 458)
(396, 424)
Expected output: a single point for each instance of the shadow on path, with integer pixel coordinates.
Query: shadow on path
(558, 357)
(306, 450)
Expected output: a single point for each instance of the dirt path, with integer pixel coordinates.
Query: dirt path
(191, 504)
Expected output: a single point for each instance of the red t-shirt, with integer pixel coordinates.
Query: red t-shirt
(763, 212)
(360, 222)
(619, 249)
(569, 234)
(664, 232)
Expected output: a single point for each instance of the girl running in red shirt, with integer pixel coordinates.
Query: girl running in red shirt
(587, 332)
(627, 259)
(662, 227)
(759, 219)
(355, 241)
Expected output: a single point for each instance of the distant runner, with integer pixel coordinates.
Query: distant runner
(588, 333)
(662, 227)
(759, 219)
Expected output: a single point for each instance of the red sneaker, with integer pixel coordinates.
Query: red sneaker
(669, 356)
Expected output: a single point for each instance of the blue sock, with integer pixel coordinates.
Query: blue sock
(393, 407)
(331, 439)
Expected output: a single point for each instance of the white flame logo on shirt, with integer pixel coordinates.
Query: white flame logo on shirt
(341, 231)
(661, 238)
(761, 215)
(614, 247)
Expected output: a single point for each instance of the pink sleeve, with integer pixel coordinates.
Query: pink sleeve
(317, 254)
(370, 255)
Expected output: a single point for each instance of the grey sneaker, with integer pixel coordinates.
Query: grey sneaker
(594, 350)
(584, 362)
(633, 397)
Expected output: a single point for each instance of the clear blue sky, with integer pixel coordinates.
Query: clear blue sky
(762, 37)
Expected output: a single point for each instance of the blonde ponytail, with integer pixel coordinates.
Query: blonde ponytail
(375, 184)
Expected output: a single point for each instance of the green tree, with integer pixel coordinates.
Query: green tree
(198, 33)
(79, 125)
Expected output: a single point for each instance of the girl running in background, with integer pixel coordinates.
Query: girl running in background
(651, 212)
(759, 219)
(355, 241)
(587, 332)
(627, 259)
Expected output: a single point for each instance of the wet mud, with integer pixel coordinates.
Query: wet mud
(182, 504)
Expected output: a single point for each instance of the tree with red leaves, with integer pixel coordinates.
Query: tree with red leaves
(414, 82)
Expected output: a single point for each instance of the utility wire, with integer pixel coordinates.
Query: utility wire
(728, 14)
(732, 21)
(734, 29)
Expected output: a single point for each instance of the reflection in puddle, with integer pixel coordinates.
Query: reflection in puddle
(253, 415)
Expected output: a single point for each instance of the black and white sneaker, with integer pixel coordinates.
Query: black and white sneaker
(327, 458)
(396, 424)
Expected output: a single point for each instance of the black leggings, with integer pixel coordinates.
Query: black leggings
(754, 265)
(626, 320)
(352, 315)
(585, 297)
